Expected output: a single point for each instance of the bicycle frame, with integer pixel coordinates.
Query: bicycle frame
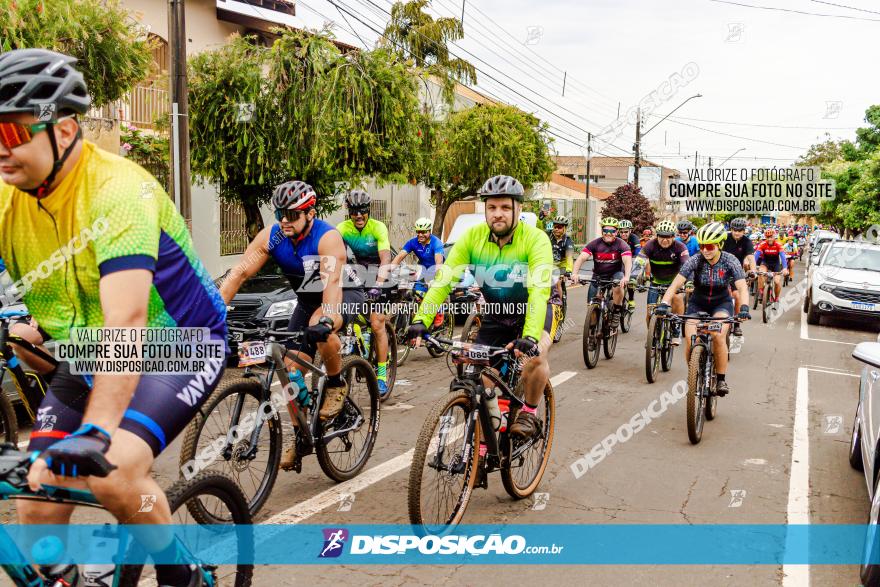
(9, 362)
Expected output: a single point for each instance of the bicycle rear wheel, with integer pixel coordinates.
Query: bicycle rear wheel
(590, 339)
(8, 420)
(667, 351)
(695, 394)
(346, 442)
(390, 361)
(445, 461)
(207, 491)
(401, 324)
(626, 318)
(445, 330)
(652, 350)
(768, 292)
(527, 459)
(471, 327)
(255, 476)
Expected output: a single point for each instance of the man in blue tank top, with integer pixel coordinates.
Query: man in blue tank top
(312, 255)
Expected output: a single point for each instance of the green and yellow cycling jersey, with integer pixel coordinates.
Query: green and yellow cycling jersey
(366, 243)
(515, 279)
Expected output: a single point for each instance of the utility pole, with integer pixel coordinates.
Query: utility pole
(710, 161)
(587, 194)
(463, 2)
(637, 147)
(179, 110)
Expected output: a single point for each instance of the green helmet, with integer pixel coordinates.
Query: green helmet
(560, 220)
(626, 225)
(711, 234)
(424, 224)
(610, 221)
(666, 228)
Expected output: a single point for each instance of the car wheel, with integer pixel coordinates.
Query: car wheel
(812, 313)
(855, 446)
(870, 568)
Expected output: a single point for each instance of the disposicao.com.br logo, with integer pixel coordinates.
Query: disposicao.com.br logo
(403, 544)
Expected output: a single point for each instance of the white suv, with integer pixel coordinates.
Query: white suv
(846, 282)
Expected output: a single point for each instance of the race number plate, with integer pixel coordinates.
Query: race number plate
(251, 353)
(714, 327)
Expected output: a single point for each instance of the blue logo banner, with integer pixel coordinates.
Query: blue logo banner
(526, 544)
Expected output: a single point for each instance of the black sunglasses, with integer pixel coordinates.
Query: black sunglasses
(358, 211)
(288, 214)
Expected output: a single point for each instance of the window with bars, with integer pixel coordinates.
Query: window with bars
(233, 229)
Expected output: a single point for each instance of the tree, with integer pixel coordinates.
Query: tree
(862, 208)
(300, 109)
(821, 153)
(113, 52)
(472, 145)
(627, 202)
(415, 35)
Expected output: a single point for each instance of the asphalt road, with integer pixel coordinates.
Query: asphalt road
(742, 472)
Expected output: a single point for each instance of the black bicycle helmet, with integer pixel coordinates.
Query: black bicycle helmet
(294, 195)
(738, 224)
(357, 199)
(684, 225)
(502, 186)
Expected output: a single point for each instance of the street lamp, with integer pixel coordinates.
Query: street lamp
(640, 134)
(729, 158)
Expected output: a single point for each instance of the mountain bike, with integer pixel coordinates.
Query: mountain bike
(443, 325)
(446, 459)
(658, 346)
(597, 324)
(626, 315)
(30, 385)
(560, 310)
(474, 321)
(702, 402)
(358, 340)
(206, 499)
(768, 296)
(239, 429)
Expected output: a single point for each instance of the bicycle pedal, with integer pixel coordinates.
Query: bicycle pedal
(295, 466)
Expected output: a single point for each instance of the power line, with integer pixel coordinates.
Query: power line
(796, 11)
(496, 80)
(718, 132)
(758, 125)
(845, 6)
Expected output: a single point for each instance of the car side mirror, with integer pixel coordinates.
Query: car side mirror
(868, 352)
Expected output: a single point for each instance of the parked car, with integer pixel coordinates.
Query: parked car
(864, 451)
(845, 283)
(266, 299)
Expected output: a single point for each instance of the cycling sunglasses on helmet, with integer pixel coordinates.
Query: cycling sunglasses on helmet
(288, 214)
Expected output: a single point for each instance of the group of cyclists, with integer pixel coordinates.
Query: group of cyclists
(142, 271)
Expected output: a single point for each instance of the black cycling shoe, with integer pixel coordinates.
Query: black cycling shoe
(737, 329)
(721, 388)
(614, 324)
(482, 482)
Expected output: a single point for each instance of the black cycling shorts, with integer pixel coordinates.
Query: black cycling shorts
(498, 333)
(353, 303)
(696, 305)
(161, 407)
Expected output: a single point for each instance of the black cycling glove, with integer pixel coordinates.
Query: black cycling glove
(526, 345)
(744, 312)
(81, 454)
(416, 330)
(661, 309)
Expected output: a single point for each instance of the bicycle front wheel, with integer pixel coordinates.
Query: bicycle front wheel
(256, 473)
(347, 441)
(391, 361)
(609, 340)
(207, 491)
(768, 292)
(445, 461)
(626, 318)
(527, 458)
(590, 339)
(652, 350)
(696, 394)
(401, 324)
(471, 327)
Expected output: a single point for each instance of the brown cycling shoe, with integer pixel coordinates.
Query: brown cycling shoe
(527, 425)
(334, 397)
(288, 458)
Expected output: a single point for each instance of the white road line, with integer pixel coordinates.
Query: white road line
(805, 334)
(831, 370)
(313, 505)
(799, 482)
